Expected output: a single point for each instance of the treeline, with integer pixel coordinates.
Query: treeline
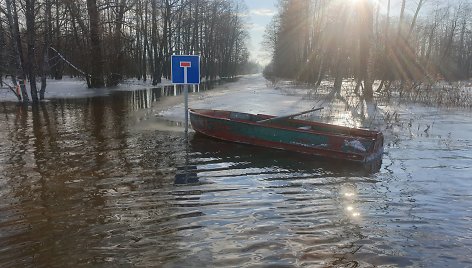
(418, 41)
(106, 41)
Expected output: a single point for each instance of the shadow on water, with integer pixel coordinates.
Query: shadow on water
(244, 156)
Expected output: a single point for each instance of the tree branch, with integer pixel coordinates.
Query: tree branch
(69, 63)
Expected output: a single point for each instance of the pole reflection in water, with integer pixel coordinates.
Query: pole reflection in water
(188, 173)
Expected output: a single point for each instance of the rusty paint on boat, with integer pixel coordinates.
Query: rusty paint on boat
(314, 138)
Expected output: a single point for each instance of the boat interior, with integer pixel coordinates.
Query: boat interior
(290, 123)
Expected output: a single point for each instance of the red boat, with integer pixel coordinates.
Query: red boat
(286, 133)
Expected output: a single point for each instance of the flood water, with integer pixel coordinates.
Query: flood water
(102, 181)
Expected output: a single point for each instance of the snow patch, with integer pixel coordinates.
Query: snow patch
(355, 144)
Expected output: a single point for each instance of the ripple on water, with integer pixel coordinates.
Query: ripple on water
(83, 188)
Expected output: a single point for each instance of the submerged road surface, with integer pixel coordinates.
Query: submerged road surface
(108, 181)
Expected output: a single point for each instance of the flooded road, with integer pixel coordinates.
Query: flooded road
(103, 181)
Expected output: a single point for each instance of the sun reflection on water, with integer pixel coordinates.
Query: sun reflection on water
(349, 201)
(344, 118)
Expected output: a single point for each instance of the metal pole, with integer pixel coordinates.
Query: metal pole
(186, 100)
(186, 107)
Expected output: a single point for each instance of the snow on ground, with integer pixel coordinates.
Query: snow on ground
(77, 88)
(254, 94)
(250, 94)
(134, 84)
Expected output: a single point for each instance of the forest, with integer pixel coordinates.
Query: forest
(107, 41)
(403, 42)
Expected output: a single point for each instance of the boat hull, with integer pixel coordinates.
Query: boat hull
(320, 139)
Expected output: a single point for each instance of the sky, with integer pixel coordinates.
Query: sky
(260, 13)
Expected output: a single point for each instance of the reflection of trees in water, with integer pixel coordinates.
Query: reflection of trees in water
(48, 188)
(346, 107)
(75, 175)
(143, 99)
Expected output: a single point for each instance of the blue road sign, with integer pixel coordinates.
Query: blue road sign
(185, 69)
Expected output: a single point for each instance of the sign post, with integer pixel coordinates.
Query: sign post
(185, 71)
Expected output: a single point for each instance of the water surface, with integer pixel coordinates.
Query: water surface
(102, 181)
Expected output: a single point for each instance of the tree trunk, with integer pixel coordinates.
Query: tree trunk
(402, 15)
(12, 17)
(47, 42)
(156, 76)
(167, 39)
(31, 35)
(2, 49)
(96, 60)
(58, 68)
(138, 50)
(116, 75)
(386, 57)
(338, 78)
(145, 44)
(415, 17)
(339, 70)
(365, 47)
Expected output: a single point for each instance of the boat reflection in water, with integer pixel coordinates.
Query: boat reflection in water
(258, 157)
(204, 154)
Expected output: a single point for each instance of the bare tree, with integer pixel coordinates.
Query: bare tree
(47, 42)
(12, 17)
(31, 35)
(366, 37)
